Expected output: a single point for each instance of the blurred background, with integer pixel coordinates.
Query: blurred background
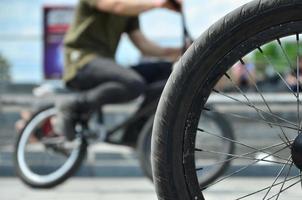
(30, 70)
(22, 32)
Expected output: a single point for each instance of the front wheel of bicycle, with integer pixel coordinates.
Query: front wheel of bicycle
(44, 159)
(266, 33)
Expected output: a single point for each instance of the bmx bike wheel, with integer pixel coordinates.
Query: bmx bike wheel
(42, 158)
(249, 32)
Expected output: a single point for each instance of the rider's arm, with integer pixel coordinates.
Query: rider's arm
(128, 7)
(149, 48)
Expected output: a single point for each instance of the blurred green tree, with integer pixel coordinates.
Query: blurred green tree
(282, 59)
(5, 75)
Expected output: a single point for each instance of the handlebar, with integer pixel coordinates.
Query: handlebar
(186, 35)
(176, 4)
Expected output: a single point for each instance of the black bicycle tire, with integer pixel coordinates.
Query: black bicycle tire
(72, 170)
(228, 33)
(227, 131)
(144, 145)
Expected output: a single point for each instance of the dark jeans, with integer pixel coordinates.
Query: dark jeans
(102, 81)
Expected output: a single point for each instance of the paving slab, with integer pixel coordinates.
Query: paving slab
(132, 189)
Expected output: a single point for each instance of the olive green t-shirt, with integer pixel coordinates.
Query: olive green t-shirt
(93, 33)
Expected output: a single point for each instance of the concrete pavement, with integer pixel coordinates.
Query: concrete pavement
(81, 189)
(130, 189)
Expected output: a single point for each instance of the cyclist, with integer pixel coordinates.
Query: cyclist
(90, 45)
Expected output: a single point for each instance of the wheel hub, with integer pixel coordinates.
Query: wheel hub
(297, 151)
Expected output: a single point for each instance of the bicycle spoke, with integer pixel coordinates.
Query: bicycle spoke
(254, 107)
(244, 95)
(288, 187)
(298, 85)
(256, 86)
(278, 195)
(277, 177)
(237, 142)
(245, 154)
(288, 142)
(254, 119)
(243, 168)
(275, 70)
(238, 156)
(265, 102)
(298, 80)
(284, 53)
(263, 189)
(290, 64)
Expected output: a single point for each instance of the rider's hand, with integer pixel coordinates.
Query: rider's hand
(188, 43)
(168, 5)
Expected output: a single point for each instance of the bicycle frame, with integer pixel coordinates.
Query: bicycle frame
(147, 111)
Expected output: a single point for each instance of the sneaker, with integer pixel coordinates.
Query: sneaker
(66, 119)
(65, 125)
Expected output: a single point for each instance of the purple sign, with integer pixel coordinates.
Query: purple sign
(56, 23)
